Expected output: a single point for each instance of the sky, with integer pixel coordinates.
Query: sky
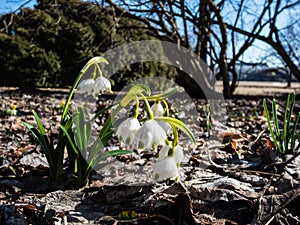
(253, 54)
(7, 6)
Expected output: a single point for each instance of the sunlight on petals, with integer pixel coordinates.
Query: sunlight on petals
(157, 109)
(86, 86)
(102, 84)
(165, 168)
(149, 135)
(127, 130)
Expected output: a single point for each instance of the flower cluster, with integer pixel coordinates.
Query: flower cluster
(85, 149)
(94, 86)
(148, 135)
(153, 131)
(97, 83)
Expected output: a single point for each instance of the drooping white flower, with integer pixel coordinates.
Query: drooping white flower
(127, 129)
(166, 166)
(86, 86)
(177, 156)
(149, 135)
(166, 126)
(157, 109)
(102, 84)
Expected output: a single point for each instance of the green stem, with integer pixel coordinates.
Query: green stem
(135, 112)
(150, 115)
(167, 113)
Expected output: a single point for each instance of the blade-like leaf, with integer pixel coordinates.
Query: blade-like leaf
(269, 125)
(44, 144)
(294, 133)
(275, 118)
(70, 140)
(39, 123)
(180, 125)
(108, 154)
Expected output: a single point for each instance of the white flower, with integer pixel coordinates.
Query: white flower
(157, 109)
(177, 156)
(127, 129)
(86, 86)
(94, 87)
(150, 134)
(166, 167)
(166, 126)
(102, 84)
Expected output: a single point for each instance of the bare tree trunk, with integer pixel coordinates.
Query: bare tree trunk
(276, 45)
(222, 56)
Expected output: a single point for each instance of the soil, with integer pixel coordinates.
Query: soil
(242, 180)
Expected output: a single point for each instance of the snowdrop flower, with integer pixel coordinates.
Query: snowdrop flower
(166, 166)
(91, 86)
(149, 135)
(86, 86)
(177, 156)
(158, 111)
(164, 169)
(127, 130)
(102, 84)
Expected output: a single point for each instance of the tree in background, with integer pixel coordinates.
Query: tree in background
(251, 23)
(186, 23)
(206, 26)
(58, 37)
(225, 34)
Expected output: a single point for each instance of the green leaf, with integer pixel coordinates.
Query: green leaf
(39, 123)
(275, 118)
(294, 134)
(162, 96)
(270, 126)
(108, 154)
(70, 140)
(180, 125)
(46, 148)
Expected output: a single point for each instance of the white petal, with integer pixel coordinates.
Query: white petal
(157, 109)
(127, 129)
(178, 154)
(163, 152)
(164, 169)
(143, 136)
(150, 134)
(102, 84)
(159, 134)
(166, 126)
(86, 86)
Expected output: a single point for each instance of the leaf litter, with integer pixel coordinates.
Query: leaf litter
(243, 180)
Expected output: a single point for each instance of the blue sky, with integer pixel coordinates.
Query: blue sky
(7, 6)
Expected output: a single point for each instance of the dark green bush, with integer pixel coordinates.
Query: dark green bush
(48, 45)
(26, 64)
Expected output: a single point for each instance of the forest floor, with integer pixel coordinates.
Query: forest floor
(241, 180)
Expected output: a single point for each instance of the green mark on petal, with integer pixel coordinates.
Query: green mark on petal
(127, 141)
(140, 145)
